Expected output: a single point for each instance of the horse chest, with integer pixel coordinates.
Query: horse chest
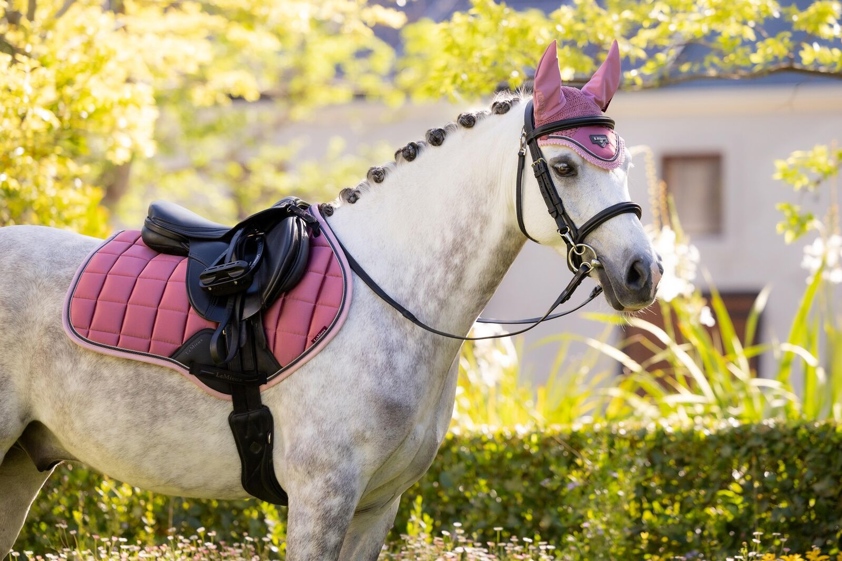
(412, 456)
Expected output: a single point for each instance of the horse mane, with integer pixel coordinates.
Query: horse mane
(503, 101)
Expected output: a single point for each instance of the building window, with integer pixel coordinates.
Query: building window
(695, 183)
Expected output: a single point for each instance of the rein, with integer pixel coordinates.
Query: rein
(572, 235)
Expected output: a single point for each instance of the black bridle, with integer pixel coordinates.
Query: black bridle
(572, 235)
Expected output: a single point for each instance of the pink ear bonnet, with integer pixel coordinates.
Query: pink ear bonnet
(553, 101)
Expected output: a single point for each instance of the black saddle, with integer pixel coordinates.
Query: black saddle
(232, 275)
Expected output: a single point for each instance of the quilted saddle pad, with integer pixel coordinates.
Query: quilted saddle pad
(129, 301)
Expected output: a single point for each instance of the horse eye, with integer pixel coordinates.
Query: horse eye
(564, 169)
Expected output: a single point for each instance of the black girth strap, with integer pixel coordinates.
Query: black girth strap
(253, 429)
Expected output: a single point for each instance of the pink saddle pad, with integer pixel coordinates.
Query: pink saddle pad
(129, 301)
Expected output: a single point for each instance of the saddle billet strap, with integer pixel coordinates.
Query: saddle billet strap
(226, 338)
(251, 422)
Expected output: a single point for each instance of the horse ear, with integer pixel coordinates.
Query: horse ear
(548, 98)
(604, 83)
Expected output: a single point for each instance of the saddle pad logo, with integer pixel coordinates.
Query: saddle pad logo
(600, 139)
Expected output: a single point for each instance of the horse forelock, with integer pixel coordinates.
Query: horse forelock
(434, 137)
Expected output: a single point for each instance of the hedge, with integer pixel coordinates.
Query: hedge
(607, 492)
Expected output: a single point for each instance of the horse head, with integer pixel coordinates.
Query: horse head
(586, 163)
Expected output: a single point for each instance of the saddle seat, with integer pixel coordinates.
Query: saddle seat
(172, 226)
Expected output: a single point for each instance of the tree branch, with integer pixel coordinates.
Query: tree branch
(63, 10)
(8, 48)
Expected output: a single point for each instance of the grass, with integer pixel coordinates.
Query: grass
(456, 545)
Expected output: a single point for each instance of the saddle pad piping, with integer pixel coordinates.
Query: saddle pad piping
(279, 376)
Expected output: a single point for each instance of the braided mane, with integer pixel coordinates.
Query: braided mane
(434, 137)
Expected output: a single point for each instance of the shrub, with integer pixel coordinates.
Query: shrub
(603, 492)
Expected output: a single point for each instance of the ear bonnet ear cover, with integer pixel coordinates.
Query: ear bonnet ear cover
(553, 101)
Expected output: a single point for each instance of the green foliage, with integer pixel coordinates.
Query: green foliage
(812, 346)
(579, 387)
(742, 38)
(77, 506)
(796, 221)
(219, 147)
(617, 492)
(808, 170)
(84, 82)
(595, 491)
(226, 183)
(698, 371)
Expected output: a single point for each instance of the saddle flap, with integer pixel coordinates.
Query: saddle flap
(285, 259)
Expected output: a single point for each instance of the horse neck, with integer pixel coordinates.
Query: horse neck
(440, 232)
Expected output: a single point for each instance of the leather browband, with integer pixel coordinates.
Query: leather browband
(567, 124)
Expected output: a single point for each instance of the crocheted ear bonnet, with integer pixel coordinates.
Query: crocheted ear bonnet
(553, 101)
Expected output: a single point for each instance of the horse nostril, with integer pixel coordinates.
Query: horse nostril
(637, 276)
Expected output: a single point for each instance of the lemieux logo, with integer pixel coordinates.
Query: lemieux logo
(600, 139)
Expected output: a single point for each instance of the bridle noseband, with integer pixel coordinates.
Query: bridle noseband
(572, 235)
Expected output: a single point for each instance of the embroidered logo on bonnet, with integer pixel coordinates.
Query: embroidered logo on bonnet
(553, 101)
(600, 140)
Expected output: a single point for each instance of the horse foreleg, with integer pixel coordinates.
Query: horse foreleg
(320, 511)
(365, 537)
(20, 482)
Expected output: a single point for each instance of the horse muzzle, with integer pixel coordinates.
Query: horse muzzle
(632, 286)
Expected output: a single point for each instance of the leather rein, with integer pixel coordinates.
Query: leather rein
(572, 235)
